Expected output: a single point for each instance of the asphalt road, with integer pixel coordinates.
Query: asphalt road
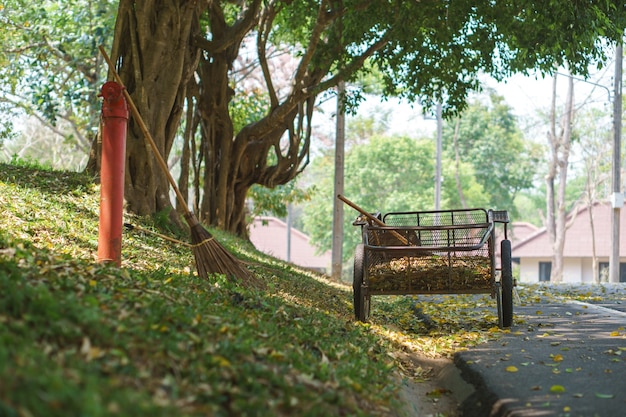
(560, 359)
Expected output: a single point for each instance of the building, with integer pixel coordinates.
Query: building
(269, 235)
(534, 251)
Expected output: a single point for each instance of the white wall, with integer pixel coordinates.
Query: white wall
(529, 269)
(575, 270)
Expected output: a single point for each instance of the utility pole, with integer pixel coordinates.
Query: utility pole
(617, 199)
(337, 252)
(289, 227)
(438, 162)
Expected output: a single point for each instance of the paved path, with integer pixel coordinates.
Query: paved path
(566, 359)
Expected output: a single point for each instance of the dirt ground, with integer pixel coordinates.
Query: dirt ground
(435, 388)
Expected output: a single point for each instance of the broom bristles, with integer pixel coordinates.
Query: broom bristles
(212, 258)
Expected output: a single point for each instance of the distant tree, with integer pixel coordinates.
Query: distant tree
(34, 142)
(560, 144)
(50, 67)
(596, 153)
(486, 137)
(388, 173)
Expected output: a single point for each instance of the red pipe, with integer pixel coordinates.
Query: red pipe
(114, 124)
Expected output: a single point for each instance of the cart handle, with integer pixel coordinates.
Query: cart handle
(372, 218)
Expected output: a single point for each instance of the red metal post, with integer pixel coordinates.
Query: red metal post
(114, 124)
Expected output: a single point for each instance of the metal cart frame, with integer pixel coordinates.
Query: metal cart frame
(433, 252)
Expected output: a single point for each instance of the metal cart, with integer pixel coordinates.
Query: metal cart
(432, 252)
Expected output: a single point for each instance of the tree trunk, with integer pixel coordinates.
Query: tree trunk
(560, 146)
(594, 257)
(269, 152)
(457, 158)
(155, 56)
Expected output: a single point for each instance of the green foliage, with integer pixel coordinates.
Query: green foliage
(463, 177)
(489, 141)
(435, 51)
(383, 174)
(247, 108)
(388, 174)
(49, 58)
(275, 201)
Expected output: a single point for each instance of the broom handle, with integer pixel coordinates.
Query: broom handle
(372, 218)
(146, 133)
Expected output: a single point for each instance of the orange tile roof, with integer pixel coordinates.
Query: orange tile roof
(269, 235)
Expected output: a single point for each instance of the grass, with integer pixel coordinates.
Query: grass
(78, 338)
(150, 338)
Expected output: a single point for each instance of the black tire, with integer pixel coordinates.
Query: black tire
(361, 302)
(506, 283)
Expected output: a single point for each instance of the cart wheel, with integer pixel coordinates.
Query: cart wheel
(506, 278)
(361, 302)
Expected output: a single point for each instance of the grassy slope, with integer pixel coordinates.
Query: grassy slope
(79, 338)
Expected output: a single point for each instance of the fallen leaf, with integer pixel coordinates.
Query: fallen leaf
(557, 389)
(221, 361)
(604, 396)
(511, 368)
(438, 392)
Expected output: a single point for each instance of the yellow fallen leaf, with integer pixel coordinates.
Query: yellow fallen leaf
(557, 389)
(221, 361)
(511, 368)
(94, 353)
(615, 334)
(557, 358)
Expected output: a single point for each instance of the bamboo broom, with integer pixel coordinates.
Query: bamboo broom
(374, 219)
(210, 256)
